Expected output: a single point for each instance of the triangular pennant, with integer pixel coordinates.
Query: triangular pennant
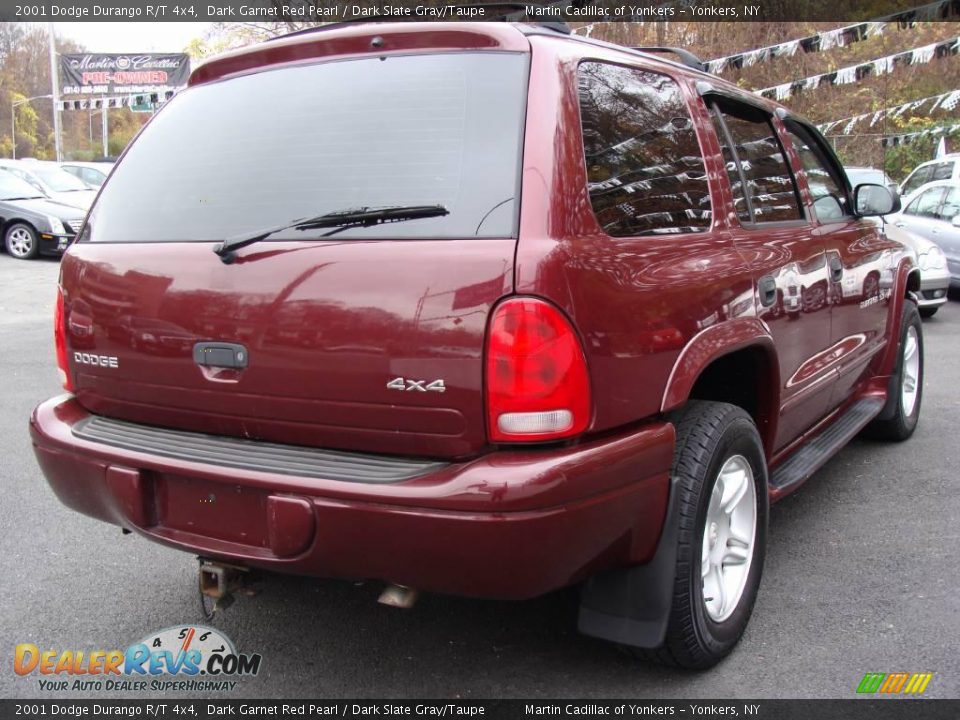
(922, 54)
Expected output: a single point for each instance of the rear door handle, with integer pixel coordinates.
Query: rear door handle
(768, 291)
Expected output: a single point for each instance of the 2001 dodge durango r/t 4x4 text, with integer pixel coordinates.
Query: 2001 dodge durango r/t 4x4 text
(483, 309)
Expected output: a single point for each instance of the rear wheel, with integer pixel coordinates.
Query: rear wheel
(722, 485)
(899, 417)
(21, 241)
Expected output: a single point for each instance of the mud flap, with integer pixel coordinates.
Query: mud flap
(631, 606)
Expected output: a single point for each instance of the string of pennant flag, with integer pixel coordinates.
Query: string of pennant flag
(119, 101)
(838, 37)
(854, 73)
(944, 101)
(903, 138)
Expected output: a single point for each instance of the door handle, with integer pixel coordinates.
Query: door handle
(768, 291)
(900, 224)
(836, 269)
(220, 355)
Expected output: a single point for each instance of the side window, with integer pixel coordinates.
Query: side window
(926, 204)
(942, 171)
(951, 206)
(919, 177)
(830, 200)
(763, 187)
(645, 173)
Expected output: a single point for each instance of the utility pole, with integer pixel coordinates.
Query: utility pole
(106, 127)
(55, 91)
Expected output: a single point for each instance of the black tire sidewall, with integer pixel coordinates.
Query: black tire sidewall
(739, 437)
(911, 318)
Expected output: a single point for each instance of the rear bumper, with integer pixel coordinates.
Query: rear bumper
(511, 524)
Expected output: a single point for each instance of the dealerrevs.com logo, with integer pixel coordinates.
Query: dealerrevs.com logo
(186, 658)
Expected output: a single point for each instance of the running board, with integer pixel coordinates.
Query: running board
(815, 453)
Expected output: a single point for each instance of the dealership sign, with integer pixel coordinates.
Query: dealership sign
(103, 73)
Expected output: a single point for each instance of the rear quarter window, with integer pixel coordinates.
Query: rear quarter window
(645, 172)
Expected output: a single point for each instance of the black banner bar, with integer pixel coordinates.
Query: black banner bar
(171, 709)
(587, 11)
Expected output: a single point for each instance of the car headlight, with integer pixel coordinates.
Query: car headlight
(56, 227)
(936, 258)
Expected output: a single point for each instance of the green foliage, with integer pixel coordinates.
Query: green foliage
(901, 159)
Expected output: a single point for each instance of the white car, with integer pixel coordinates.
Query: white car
(54, 182)
(942, 168)
(93, 174)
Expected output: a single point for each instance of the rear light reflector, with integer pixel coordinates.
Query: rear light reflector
(60, 341)
(551, 421)
(537, 383)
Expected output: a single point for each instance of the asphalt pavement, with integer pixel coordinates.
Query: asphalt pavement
(861, 576)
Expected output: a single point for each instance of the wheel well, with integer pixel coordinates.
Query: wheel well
(913, 281)
(745, 378)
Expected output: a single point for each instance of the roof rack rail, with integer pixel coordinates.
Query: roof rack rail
(686, 57)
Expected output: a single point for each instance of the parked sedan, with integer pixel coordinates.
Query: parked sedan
(93, 174)
(52, 181)
(933, 212)
(934, 275)
(32, 223)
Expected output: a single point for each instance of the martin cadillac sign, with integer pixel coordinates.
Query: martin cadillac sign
(102, 74)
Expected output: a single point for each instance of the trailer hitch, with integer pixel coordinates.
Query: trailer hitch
(218, 584)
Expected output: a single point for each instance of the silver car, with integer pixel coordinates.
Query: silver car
(933, 213)
(51, 180)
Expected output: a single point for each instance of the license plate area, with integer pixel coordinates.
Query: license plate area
(223, 511)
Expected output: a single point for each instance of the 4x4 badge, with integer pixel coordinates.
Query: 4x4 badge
(408, 385)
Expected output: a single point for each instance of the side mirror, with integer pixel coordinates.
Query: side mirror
(956, 220)
(871, 200)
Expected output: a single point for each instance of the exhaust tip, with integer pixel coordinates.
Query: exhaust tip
(399, 596)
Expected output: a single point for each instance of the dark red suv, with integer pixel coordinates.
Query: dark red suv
(482, 309)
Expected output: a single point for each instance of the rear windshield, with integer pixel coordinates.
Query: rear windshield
(259, 151)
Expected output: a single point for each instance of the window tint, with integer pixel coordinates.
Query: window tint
(926, 203)
(918, 178)
(951, 205)
(942, 171)
(264, 149)
(830, 201)
(758, 158)
(645, 173)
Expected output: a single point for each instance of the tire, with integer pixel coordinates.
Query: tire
(928, 312)
(21, 241)
(900, 415)
(712, 439)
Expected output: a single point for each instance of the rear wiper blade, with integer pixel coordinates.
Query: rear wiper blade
(339, 220)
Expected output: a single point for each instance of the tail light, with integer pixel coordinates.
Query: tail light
(537, 384)
(60, 340)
